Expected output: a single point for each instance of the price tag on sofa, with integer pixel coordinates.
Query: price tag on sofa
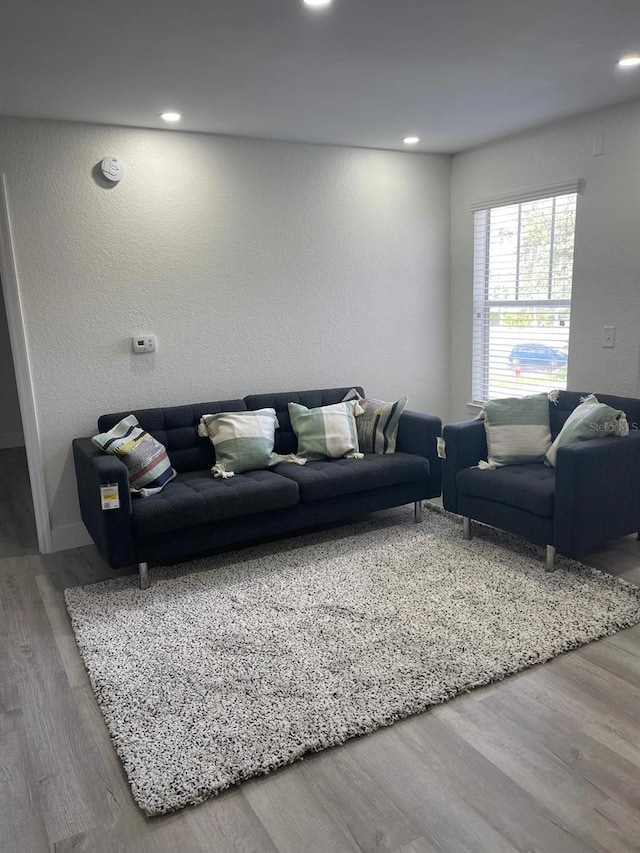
(110, 497)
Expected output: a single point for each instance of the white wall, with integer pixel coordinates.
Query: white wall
(258, 265)
(10, 421)
(606, 283)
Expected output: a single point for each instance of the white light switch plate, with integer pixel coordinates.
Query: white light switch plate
(608, 336)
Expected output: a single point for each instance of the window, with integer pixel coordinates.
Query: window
(523, 272)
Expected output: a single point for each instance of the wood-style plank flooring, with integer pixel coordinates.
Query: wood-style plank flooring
(547, 761)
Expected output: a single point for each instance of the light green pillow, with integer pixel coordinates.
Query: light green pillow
(243, 440)
(591, 419)
(517, 430)
(327, 431)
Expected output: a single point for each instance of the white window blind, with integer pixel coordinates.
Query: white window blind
(523, 271)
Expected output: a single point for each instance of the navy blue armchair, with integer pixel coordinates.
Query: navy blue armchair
(590, 498)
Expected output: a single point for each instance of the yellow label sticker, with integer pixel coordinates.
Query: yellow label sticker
(110, 496)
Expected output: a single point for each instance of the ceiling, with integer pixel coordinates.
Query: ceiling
(456, 73)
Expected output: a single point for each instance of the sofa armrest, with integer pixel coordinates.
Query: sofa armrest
(465, 445)
(110, 529)
(417, 433)
(597, 492)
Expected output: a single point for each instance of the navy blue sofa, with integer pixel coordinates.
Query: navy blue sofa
(590, 498)
(195, 513)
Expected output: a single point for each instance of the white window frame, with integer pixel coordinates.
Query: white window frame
(482, 305)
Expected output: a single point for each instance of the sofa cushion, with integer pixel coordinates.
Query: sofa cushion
(529, 487)
(330, 478)
(195, 497)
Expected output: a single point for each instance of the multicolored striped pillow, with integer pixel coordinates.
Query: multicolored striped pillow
(378, 424)
(328, 431)
(146, 459)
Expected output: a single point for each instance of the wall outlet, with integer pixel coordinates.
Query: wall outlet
(143, 343)
(608, 336)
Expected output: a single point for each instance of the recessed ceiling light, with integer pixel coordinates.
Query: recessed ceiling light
(631, 61)
(411, 140)
(317, 3)
(170, 116)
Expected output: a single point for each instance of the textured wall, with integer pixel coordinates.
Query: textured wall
(259, 266)
(10, 422)
(606, 287)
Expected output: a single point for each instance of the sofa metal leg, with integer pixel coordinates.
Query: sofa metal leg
(143, 570)
(466, 527)
(417, 512)
(550, 565)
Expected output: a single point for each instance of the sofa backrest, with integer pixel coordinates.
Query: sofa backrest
(177, 428)
(286, 441)
(568, 400)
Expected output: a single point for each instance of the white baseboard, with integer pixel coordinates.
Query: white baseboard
(11, 439)
(70, 536)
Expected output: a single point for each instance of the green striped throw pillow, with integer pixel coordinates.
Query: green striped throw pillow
(243, 440)
(328, 431)
(517, 430)
(147, 461)
(378, 424)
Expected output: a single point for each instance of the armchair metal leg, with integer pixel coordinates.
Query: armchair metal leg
(550, 565)
(143, 570)
(417, 512)
(466, 527)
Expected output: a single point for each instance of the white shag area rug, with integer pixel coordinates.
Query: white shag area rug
(231, 666)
